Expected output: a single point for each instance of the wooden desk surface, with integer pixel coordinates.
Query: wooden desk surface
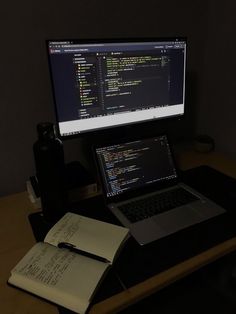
(17, 239)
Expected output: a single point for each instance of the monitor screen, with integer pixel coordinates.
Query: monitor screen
(105, 84)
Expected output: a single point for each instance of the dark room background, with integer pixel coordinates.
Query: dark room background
(26, 96)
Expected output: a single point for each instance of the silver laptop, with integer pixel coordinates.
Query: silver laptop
(142, 189)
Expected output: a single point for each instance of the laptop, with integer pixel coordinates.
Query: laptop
(142, 189)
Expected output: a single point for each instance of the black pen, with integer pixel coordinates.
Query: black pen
(73, 248)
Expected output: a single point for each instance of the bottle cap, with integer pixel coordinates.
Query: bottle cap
(46, 130)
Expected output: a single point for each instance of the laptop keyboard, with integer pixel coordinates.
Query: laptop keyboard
(155, 204)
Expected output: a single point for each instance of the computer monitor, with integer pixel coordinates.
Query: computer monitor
(109, 83)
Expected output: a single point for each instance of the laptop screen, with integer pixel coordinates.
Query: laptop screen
(135, 164)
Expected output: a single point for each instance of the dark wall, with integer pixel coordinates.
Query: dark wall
(26, 97)
(216, 113)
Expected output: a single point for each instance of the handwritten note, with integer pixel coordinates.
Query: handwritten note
(90, 235)
(59, 275)
(45, 264)
(64, 230)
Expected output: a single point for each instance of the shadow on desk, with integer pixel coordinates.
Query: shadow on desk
(209, 290)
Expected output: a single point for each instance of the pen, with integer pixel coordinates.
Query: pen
(73, 248)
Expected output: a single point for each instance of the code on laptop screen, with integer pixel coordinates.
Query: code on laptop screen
(136, 164)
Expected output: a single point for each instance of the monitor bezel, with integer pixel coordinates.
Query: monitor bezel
(115, 128)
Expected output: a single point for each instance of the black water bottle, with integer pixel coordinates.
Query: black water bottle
(50, 171)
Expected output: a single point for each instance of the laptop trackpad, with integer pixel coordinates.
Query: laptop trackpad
(146, 231)
(178, 219)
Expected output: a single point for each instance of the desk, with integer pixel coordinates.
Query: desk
(17, 239)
